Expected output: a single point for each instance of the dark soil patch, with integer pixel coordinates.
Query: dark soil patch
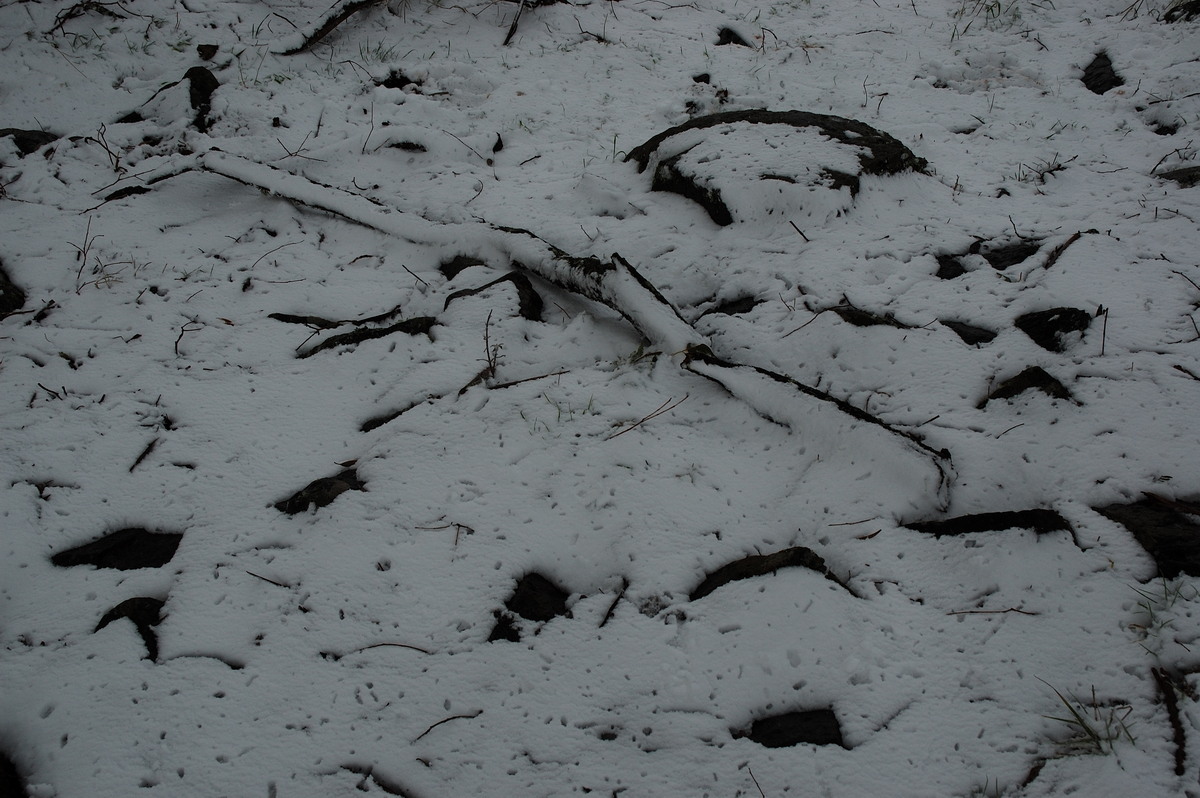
(529, 301)
(1186, 177)
(1001, 256)
(950, 266)
(734, 307)
(12, 298)
(968, 332)
(145, 613)
(321, 492)
(201, 85)
(1041, 521)
(730, 36)
(813, 726)
(1049, 328)
(864, 318)
(397, 80)
(451, 268)
(1099, 76)
(28, 141)
(536, 599)
(1034, 378)
(1162, 527)
(763, 564)
(126, 550)
(11, 783)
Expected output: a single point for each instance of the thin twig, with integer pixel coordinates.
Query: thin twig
(476, 714)
(756, 784)
(265, 579)
(612, 607)
(657, 412)
(992, 612)
(145, 453)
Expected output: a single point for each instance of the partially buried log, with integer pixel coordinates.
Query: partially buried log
(678, 170)
(1040, 520)
(144, 613)
(529, 301)
(763, 564)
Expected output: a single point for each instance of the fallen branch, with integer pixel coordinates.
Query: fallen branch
(336, 16)
(913, 470)
(415, 326)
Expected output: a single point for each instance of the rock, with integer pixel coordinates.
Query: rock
(762, 564)
(28, 141)
(320, 492)
(1162, 527)
(813, 726)
(126, 550)
(1041, 521)
(145, 613)
(1032, 378)
(744, 165)
(12, 298)
(1048, 328)
(1099, 76)
(968, 332)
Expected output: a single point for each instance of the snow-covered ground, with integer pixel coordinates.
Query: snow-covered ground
(524, 486)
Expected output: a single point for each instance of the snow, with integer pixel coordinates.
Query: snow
(346, 647)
